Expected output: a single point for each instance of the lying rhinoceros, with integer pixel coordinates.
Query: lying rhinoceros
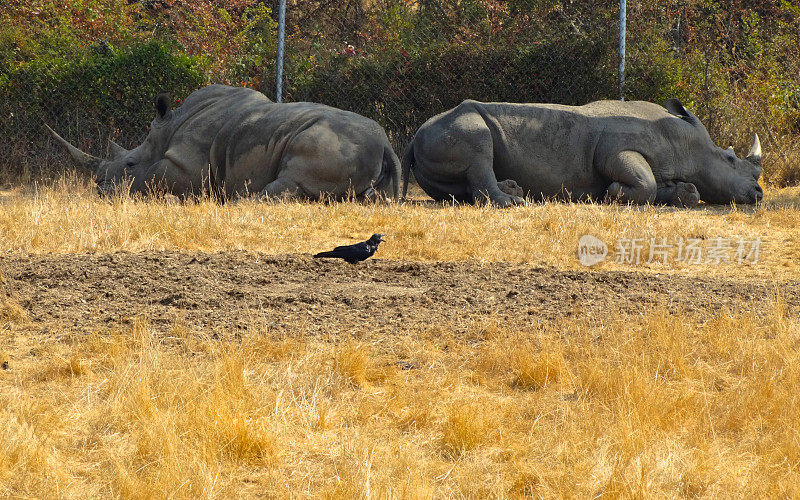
(237, 142)
(635, 152)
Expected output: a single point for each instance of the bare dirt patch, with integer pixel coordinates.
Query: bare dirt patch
(221, 293)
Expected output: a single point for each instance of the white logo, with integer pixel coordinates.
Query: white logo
(591, 250)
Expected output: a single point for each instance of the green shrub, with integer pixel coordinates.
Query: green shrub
(104, 85)
(91, 68)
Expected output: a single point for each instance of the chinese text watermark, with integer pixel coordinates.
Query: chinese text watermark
(692, 251)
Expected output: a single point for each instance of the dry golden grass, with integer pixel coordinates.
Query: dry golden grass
(653, 405)
(68, 217)
(783, 166)
(11, 311)
(624, 405)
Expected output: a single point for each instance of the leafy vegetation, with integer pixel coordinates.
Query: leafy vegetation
(92, 67)
(400, 61)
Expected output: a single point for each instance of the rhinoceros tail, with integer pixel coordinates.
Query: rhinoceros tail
(391, 166)
(408, 164)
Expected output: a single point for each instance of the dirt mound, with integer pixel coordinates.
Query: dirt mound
(224, 292)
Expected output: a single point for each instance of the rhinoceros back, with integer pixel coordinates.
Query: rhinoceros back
(201, 127)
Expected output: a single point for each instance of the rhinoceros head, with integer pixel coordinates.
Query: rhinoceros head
(123, 167)
(719, 175)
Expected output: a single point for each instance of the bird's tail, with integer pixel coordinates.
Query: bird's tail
(325, 254)
(408, 164)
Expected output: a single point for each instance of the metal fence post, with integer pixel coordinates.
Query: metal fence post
(281, 37)
(622, 23)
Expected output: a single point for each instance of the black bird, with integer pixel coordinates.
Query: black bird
(354, 253)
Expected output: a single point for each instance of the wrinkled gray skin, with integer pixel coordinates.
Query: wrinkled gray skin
(631, 152)
(234, 142)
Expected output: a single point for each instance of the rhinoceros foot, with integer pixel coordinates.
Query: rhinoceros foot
(511, 188)
(507, 194)
(686, 195)
(499, 200)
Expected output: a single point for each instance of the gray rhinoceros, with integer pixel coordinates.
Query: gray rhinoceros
(635, 152)
(235, 142)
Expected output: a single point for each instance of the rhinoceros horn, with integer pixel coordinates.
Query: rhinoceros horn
(85, 160)
(754, 156)
(115, 150)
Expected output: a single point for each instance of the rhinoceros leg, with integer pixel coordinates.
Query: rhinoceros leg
(281, 188)
(678, 194)
(510, 187)
(633, 180)
(485, 187)
(453, 158)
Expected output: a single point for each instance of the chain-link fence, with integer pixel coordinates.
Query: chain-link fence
(91, 68)
(405, 61)
(399, 62)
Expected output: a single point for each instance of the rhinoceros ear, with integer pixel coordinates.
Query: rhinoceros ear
(675, 107)
(163, 105)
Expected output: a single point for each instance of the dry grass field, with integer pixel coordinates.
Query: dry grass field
(155, 349)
